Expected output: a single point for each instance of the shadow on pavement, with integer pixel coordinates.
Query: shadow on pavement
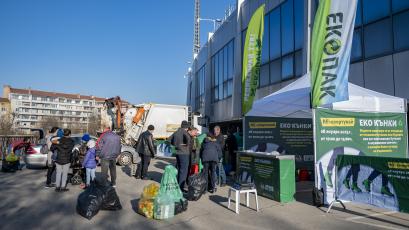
(163, 163)
(365, 216)
(304, 192)
(155, 176)
(134, 205)
(219, 200)
(127, 170)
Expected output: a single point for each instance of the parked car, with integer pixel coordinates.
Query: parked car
(33, 156)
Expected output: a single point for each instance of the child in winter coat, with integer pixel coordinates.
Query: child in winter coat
(89, 162)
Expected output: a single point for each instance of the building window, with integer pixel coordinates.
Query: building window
(378, 38)
(375, 9)
(265, 57)
(401, 30)
(380, 28)
(223, 72)
(356, 51)
(200, 87)
(285, 28)
(275, 38)
(398, 5)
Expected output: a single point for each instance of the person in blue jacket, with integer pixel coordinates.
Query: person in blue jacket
(90, 163)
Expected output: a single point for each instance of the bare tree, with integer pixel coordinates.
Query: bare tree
(6, 124)
(94, 124)
(47, 122)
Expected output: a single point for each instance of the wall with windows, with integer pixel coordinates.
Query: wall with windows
(283, 57)
(380, 47)
(379, 56)
(200, 87)
(223, 72)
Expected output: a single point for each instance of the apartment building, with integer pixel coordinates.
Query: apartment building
(4, 107)
(32, 108)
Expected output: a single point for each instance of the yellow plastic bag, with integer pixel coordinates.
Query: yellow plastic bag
(145, 207)
(11, 157)
(150, 191)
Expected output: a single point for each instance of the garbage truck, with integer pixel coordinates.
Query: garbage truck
(166, 119)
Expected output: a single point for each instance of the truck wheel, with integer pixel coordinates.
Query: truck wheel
(125, 159)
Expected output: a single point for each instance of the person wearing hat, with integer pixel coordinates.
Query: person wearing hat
(83, 148)
(90, 163)
(181, 140)
(146, 150)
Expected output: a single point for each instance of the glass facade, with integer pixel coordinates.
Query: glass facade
(200, 87)
(223, 72)
(381, 28)
(283, 41)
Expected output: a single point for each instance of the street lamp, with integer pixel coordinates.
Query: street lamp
(210, 20)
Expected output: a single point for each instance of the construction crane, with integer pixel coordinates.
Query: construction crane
(196, 31)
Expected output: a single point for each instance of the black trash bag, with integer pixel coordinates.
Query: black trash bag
(197, 184)
(90, 201)
(9, 166)
(180, 206)
(317, 197)
(111, 200)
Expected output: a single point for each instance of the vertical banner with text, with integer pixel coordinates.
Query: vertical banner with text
(252, 58)
(353, 133)
(331, 50)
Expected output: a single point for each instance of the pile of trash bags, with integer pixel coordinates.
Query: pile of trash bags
(98, 196)
(165, 200)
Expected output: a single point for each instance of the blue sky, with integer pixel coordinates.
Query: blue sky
(136, 49)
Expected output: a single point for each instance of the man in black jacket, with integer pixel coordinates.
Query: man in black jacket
(63, 161)
(146, 150)
(181, 140)
(220, 140)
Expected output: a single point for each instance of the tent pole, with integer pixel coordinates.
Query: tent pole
(314, 130)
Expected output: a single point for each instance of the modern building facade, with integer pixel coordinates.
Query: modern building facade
(379, 58)
(33, 107)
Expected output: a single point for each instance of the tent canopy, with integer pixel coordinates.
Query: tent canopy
(294, 101)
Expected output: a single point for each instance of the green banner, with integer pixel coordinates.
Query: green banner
(352, 133)
(252, 58)
(331, 50)
(379, 181)
(274, 177)
(289, 136)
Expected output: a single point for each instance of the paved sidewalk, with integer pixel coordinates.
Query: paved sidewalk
(26, 204)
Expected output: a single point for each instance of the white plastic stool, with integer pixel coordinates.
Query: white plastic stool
(237, 197)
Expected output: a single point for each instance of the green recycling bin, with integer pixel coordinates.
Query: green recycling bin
(274, 176)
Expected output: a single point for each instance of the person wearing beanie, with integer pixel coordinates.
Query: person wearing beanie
(60, 133)
(86, 137)
(90, 163)
(83, 148)
(146, 150)
(181, 140)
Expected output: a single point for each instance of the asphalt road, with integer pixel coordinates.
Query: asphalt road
(26, 204)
